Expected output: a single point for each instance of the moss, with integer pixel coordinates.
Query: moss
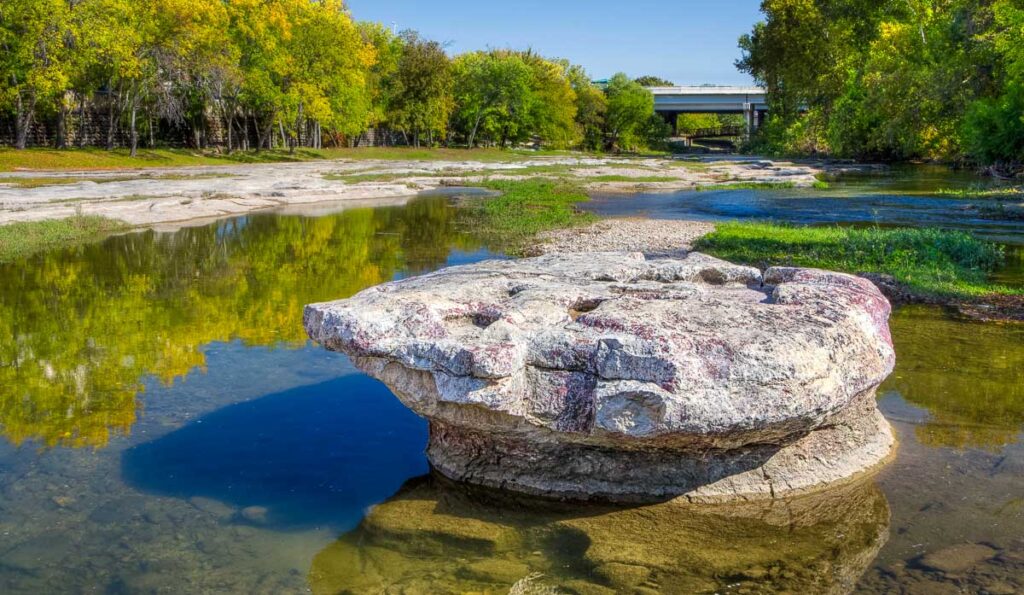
(928, 262)
(19, 240)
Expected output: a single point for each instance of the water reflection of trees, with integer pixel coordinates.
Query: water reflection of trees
(437, 537)
(969, 376)
(80, 329)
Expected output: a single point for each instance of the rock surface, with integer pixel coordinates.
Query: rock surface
(658, 237)
(610, 376)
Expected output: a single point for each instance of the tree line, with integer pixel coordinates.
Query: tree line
(288, 73)
(892, 79)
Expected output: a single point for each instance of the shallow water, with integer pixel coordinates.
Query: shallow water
(166, 428)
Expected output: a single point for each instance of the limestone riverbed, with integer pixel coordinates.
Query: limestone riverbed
(157, 196)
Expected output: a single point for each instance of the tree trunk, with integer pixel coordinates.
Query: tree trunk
(227, 130)
(134, 130)
(476, 125)
(110, 117)
(82, 136)
(259, 133)
(62, 125)
(23, 120)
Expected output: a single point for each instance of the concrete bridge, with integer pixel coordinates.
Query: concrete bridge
(669, 102)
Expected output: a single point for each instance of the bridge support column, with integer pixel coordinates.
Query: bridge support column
(750, 119)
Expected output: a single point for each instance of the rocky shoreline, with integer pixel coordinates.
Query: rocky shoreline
(674, 237)
(163, 196)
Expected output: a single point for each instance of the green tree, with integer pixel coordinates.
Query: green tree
(421, 94)
(653, 81)
(629, 110)
(33, 60)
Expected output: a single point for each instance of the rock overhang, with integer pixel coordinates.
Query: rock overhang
(615, 351)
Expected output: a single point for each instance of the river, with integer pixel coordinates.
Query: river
(166, 427)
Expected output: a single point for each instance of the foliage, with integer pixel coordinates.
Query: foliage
(421, 88)
(289, 74)
(630, 107)
(927, 261)
(648, 80)
(525, 208)
(897, 79)
(83, 329)
(18, 240)
(507, 96)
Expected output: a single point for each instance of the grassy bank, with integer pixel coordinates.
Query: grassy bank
(525, 208)
(98, 159)
(18, 240)
(928, 262)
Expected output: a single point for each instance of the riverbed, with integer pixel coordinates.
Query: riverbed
(166, 427)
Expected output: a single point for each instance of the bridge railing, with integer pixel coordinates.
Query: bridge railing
(716, 131)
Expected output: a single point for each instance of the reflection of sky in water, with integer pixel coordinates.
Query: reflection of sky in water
(237, 411)
(844, 204)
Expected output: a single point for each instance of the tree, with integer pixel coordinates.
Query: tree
(629, 109)
(33, 60)
(421, 100)
(653, 81)
(591, 107)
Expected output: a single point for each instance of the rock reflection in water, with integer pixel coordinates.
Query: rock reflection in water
(438, 537)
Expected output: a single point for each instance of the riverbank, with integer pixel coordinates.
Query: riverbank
(163, 195)
(909, 265)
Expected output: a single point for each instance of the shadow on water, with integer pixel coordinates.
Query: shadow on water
(296, 453)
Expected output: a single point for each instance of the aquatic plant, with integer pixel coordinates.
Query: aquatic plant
(928, 262)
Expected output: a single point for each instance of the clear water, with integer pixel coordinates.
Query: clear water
(166, 428)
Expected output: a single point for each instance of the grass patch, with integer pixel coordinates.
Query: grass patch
(1016, 193)
(33, 182)
(637, 179)
(821, 185)
(19, 240)
(99, 159)
(929, 262)
(525, 171)
(525, 208)
(746, 186)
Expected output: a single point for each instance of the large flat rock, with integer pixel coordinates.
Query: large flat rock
(610, 375)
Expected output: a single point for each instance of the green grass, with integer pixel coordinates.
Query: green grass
(746, 186)
(18, 240)
(1015, 193)
(525, 208)
(928, 262)
(99, 159)
(637, 179)
(554, 170)
(39, 182)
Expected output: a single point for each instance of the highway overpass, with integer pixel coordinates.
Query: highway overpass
(669, 102)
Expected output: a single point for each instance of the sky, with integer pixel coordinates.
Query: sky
(684, 41)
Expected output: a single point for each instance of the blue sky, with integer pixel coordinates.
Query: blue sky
(686, 41)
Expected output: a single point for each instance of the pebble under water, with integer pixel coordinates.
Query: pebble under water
(166, 427)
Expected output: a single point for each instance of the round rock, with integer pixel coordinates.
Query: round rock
(611, 376)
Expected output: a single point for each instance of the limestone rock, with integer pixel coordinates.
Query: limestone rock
(608, 375)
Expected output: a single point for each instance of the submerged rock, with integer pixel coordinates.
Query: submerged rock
(610, 376)
(415, 542)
